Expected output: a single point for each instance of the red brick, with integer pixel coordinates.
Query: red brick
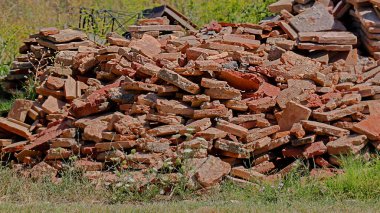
(242, 81)
(369, 127)
(52, 105)
(193, 53)
(54, 83)
(293, 113)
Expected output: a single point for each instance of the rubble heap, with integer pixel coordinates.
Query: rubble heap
(360, 16)
(237, 100)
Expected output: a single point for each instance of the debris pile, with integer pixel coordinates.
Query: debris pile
(237, 100)
(360, 16)
(39, 51)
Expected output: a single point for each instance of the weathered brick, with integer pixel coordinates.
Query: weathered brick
(351, 144)
(246, 174)
(20, 109)
(193, 53)
(368, 127)
(223, 93)
(52, 105)
(324, 129)
(231, 146)
(211, 134)
(232, 128)
(212, 171)
(15, 128)
(338, 113)
(293, 113)
(166, 130)
(55, 83)
(181, 82)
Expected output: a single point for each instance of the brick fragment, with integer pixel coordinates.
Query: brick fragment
(255, 134)
(20, 109)
(347, 145)
(86, 165)
(140, 86)
(272, 145)
(211, 134)
(119, 145)
(238, 40)
(196, 100)
(48, 31)
(58, 154)
(93, 132)
(174, 107)
(212, 83)
(368, 127)
(297, 130)
(242, 81)
(54, 83)
(200, 125)
(166, 119)
(194, 53)
(52, 105)
(15, 128)
(338, 113)
(303, 141)
(220, 111)
(166, 130)
(223, 93)
(324, 129)
(258, 143)
(212, 171)
(181, 82)
(293, 113)
(231, 146)
(261, 105)
(70, 88)
(147, 45)
(63, 143)
(246, 174)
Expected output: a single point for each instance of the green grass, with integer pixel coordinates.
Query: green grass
(192, 206)
(355, 190)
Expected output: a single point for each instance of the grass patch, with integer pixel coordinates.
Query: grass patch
(357, 189)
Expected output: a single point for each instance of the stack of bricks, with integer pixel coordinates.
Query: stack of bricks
(38, 51)
(362, 17)
(366, 18)
(237, 101)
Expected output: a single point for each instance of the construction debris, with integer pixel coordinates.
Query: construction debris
(244, 100)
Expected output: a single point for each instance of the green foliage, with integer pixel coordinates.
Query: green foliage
(29, 89)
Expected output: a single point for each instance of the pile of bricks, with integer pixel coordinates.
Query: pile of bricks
(366, 17)
(360, 16)
(242, 101)
(38, 52)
